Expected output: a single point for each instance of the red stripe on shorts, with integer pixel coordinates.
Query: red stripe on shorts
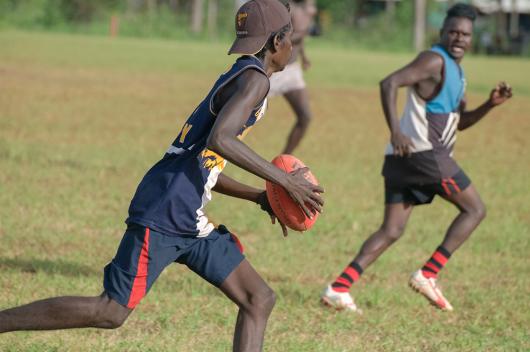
(457, 189)
(140, 280)
(447, 190)
(238, 243)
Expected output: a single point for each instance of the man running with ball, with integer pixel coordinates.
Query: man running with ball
(166, 220)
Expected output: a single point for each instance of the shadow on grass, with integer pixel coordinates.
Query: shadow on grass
(49, 266)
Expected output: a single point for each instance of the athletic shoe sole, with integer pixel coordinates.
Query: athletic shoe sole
(431, 302)
(329, 304)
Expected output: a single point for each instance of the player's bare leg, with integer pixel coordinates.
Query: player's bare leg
(65, 313)
(299, 101)
(472, 212)
(394, 222)
(395, 219)
(255, 300)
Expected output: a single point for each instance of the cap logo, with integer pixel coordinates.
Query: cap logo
(241, 19)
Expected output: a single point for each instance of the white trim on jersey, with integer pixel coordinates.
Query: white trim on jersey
(177, 151)
(449, 133)
(204, 226)
(455, 116)
(414, 124)
(450, 143)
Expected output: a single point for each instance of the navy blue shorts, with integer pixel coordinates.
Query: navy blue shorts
(424, 194)
(144, 253)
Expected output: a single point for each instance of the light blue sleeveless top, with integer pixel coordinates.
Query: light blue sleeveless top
(454, 84)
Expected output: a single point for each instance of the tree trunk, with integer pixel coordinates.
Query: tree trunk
(420, 8)
(390, 12)
(151, 7)
(213, 13)
(196, 16)
(174, 6)
(514, 21)
(390, 8)
(501, 26)
(134, 6)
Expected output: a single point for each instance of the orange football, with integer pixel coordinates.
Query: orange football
(284, 207)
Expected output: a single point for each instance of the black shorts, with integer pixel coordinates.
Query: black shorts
(418, 194)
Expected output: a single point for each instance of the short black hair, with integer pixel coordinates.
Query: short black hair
(461, 10)
(269, 45)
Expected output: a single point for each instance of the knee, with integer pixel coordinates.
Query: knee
(304, 119)
(478, 212)
(260, 303)
(264, 301)
(114, 321)
(393, 233)
(474, 210)
(109, 314)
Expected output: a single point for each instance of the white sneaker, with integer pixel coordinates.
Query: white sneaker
(338, 300)
(430, 290)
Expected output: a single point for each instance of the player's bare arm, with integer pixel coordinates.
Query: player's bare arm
(301, 18)
(424, 74)
(500, 94)
(298, 36)
(306, 63)
(251, 89)
(300, 24)
(230, 187)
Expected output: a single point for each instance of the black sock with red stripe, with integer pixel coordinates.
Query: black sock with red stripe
(436, 262)
(350, 275)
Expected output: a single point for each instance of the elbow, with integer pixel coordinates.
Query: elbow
(387, 84)
(214, 142)
(220, 143)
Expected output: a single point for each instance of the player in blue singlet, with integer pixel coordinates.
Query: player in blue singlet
(418, 163)
(166, 220)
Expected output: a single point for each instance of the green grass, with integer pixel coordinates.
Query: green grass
(82, 118)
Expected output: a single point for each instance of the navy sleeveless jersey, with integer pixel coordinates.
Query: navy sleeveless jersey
(172, 195)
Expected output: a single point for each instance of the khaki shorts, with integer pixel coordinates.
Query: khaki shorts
(288, 80)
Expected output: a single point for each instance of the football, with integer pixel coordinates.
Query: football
(285, 208)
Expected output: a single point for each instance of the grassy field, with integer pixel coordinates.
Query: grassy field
(82, 118)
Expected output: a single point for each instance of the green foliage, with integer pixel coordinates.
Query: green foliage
(349, 22)
(368, 26)
(341, 11)
(163, 24)
(31, 13)
(54, 14)
(344, 20)
(93, 17)
(84, 11)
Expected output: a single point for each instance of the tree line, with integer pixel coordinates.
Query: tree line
(358, 21)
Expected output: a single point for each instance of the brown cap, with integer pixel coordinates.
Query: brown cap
(256, 20)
